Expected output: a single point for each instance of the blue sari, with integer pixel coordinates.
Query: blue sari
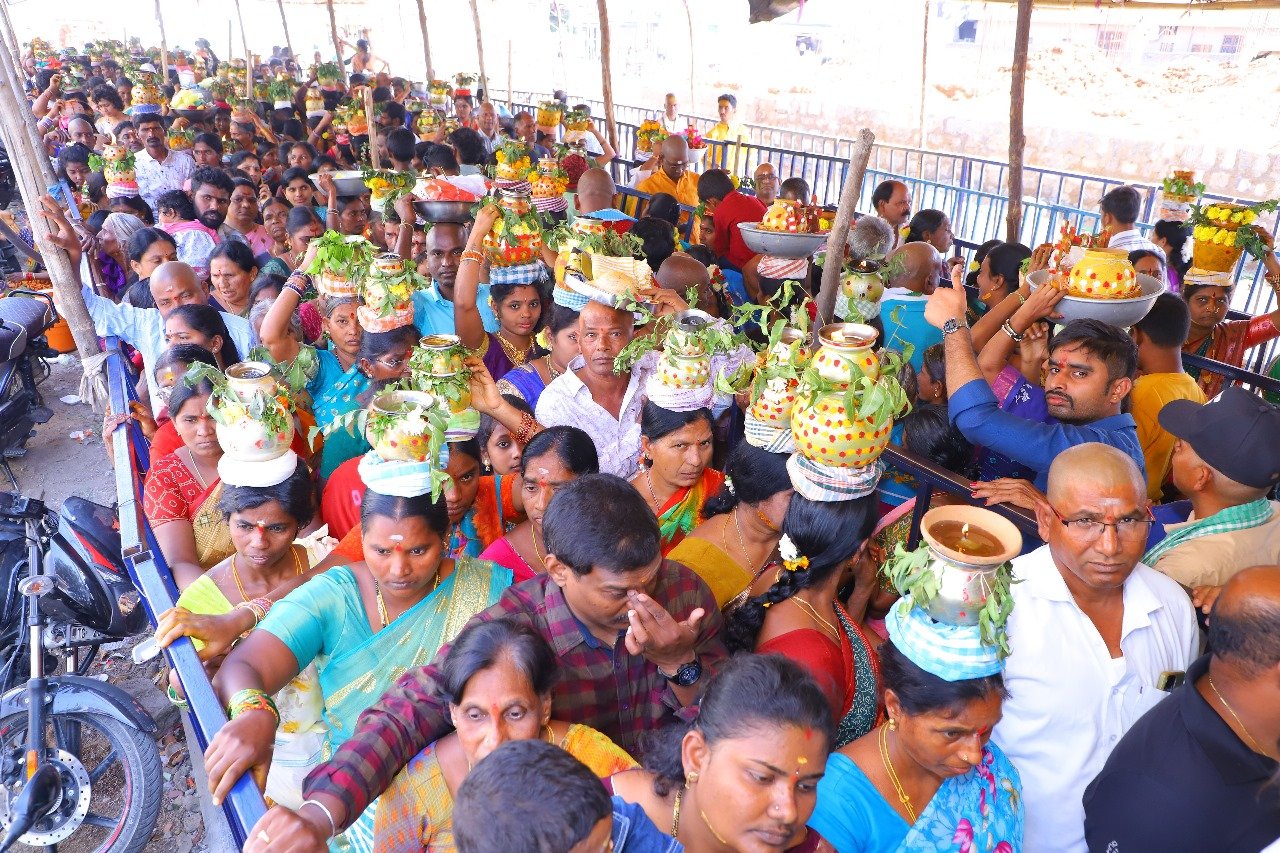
(334, 393)
(978, 812)
(524, 382)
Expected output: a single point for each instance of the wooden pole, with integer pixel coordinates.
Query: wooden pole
(374, 160)
(337, 43)
(509, 77)
(602, 8)
(164, 47)
(475, 18)
(284, 22)
(11, 39)
(924, 77)
(426, 43)
(14, 113)
(1017, 133)
(693, 95)
(244, 37)
(839, 236)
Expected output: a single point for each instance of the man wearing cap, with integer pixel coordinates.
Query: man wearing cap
(1097, 637)
(1193, 773)
(1226, 458)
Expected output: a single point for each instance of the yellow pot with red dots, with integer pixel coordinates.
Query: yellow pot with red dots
(825, 432)
(773, 406)
(844, 344)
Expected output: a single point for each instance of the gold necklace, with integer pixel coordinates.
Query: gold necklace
(195, 469)
(517, 358)
(552, 369)
(235, 575)
(649, 480)
(812, 611)
(893, 775)
(533, 534)
(675, 813)
(1253, 744)
(742, 543)
(712, 829)
(382, 604)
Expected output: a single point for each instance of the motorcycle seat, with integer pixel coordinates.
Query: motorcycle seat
(21, 319)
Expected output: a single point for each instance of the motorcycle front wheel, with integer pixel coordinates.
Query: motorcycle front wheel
(112, 782)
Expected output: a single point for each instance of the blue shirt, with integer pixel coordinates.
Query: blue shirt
(902, 313)
(433, 314)
(976, 413)
(633, 832)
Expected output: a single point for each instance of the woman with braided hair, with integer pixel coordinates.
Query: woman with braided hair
(800, 615)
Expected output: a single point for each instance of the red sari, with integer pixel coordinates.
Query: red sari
(1228, 343)
(172, 493)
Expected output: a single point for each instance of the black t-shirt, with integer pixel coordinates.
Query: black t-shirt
(1182, 780)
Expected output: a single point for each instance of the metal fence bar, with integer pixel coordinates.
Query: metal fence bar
(151, 576)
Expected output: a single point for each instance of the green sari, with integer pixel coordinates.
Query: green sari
(325, 620)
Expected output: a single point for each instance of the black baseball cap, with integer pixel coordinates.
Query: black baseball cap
(1237, 433)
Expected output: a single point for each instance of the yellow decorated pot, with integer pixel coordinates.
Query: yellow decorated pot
(773, 406)
(408, 440)
(824, 433)
(1103, 274)
(684, 372)
(844, 344)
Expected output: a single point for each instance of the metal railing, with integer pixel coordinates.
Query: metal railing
(971, 190)
(151, 576)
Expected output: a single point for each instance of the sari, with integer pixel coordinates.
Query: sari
(1228, 343)
(494, 512)
(172, 493)
(335, 392)
(301, 733)
(495, 357)
(849, 674)
(977, 812)
(683, 510)
(504, 554)
(324, 620)
(727, 579)
(524, 382)
(416, 812)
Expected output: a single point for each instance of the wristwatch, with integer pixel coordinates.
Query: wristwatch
(686, 675)
(952, 325)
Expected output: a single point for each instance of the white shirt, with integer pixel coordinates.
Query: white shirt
(673, 125)
(567, 401)
(156, 178)
(1069, 701)
(1132, 240)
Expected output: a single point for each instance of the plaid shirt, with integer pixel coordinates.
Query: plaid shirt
(609, 689)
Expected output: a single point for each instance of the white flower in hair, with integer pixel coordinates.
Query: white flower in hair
(728, 484)
(787, 549)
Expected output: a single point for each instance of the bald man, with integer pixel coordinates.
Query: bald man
(595, 197)
(1097, 638)
(679, 272)
(765, 179)
(172, 284)
(905, 297)
(670, 173)
(1193, 773)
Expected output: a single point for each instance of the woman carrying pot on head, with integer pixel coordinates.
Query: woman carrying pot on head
(518, 299)
(528, 380)
(930, 778)
(735, 544)
(362, 624)
(744, 775)
(553, 457)
(181, 494)
(498, 677)
(676, 476)
(264, 522)
(801, 617)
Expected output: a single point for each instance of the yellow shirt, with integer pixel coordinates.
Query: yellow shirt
(729, 133)
(1150, 394)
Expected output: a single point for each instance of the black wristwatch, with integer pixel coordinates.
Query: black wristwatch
(686, 675)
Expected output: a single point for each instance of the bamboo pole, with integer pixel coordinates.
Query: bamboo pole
(606, 74)
(509, 77)
(1017, 132)
(475, 18)
(11, 38)
(284, 22)
(426, 43)
(14, 113)
(244, 37)
(164, 48)
(688, 17)
(924, 77)
(337, 43)
(374, 160)
(839, 236)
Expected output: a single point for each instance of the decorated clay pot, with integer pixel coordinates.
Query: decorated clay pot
(790, 335)
(683, 338)
(509, 250)
(966, 546)
(247, 438)
(336, 285)
(589, 226)
(683, 371)
(843, 344)
(1176, 208)
(249, 377)
(372, 320)
(437, 355)
(863, 284)
(773, 406)
(404, 441)
(1103, 274)
(825, 432)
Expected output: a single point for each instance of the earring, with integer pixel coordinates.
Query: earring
(893, 724)
(487, 467)
(691, 778)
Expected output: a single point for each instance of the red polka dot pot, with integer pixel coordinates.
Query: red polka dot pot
(825, 433)
(773, 406)
(843, 344)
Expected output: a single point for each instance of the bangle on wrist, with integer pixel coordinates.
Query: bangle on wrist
(1007, 328)
(333, 824)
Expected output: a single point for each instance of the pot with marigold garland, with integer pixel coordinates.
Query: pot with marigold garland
(1223, 231)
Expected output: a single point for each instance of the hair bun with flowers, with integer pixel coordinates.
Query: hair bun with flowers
(792, 559)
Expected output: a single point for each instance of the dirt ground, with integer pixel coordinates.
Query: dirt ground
(58, 465)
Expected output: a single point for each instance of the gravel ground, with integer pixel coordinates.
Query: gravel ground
(58, 465)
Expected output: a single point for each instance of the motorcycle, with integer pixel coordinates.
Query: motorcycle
(77, 755)
(25, 316)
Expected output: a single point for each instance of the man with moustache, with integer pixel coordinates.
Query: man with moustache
(159, 169)
(211, 190)
(1091, 370)
(433, 307)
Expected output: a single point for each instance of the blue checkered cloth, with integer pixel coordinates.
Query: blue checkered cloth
(530, 273)
(951, 652)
